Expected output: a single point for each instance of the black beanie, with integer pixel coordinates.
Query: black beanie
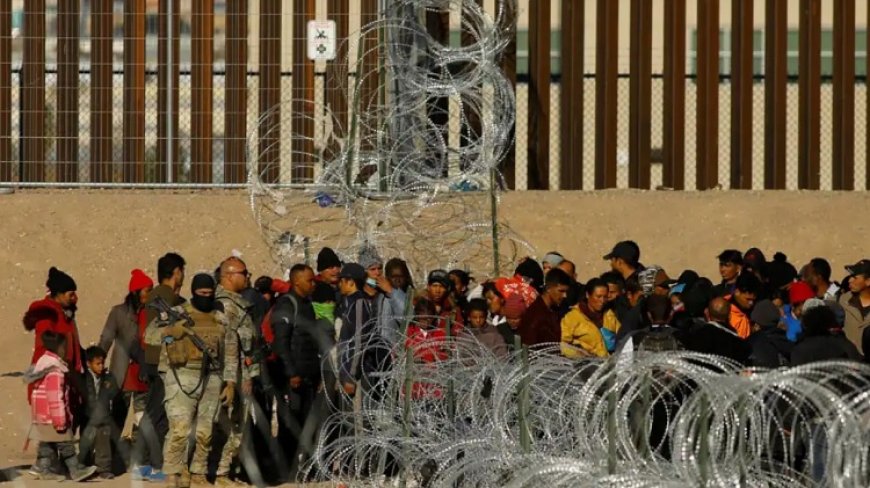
(200, 281)
(59, 282)
(327, 259)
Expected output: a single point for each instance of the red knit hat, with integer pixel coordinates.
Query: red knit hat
(800, 292)
(139, 280)
(280, 286)
(514, 307)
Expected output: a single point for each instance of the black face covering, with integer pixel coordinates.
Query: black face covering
(203, 304)
(199, 282)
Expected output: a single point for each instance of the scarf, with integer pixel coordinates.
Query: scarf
(597, 318)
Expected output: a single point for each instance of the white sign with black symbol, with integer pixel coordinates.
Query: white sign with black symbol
(321, 40)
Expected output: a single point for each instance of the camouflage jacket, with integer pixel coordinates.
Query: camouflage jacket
(237, 312)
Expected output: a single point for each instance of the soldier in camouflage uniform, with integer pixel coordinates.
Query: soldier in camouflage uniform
(234, 277)
(194, 382)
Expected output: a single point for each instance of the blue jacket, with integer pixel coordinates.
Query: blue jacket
(793, 324)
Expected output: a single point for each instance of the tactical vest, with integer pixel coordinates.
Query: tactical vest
(184, 353)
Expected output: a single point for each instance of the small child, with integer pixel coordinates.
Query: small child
(485, 333)
(96, 438)
(51, 417)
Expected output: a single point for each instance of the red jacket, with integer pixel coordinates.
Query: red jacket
(49, 398)
(44, 315)
(429, 346)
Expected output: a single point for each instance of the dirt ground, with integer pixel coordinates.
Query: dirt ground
(99, 236)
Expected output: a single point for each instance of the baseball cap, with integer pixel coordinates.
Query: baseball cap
(626, 250)
(862, 267)
(440, 276)
(353, 271)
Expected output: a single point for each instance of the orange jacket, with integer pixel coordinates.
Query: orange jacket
(739, 321)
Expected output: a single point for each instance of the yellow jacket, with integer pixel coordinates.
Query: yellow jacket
(579, 331)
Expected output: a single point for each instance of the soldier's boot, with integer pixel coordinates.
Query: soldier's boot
(184, 479)
(198, 480)
(172, 480)
(226, 482)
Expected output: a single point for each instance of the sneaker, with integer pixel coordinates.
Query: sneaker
(140, 473)
(82, 473)
(156, 476)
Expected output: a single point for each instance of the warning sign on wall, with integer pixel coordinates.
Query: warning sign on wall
(321, 40)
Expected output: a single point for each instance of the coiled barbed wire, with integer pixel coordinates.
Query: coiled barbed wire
(388, 176)
(468, 418)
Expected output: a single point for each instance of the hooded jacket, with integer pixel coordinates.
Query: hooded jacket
(771, 348)
(49, 392)
(47, 315)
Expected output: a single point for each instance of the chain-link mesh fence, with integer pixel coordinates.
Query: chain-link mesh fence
(40, 153)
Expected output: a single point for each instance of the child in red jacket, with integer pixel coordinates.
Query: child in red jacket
(51, 417)
(427, 340)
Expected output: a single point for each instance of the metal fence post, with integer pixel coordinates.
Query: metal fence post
(741, 94)
(775, 79)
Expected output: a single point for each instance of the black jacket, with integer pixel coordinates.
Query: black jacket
(632, 320)
(823, 348)
(99, 403)
(770, 348)
(296, 338)
(708, 338)
(358, 341)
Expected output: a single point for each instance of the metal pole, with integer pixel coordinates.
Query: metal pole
(169, 72)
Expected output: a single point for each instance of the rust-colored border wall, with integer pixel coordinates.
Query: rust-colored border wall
(606, 67)
(202, 54)
(674, 118)
(707, 169)
(33, 93)
(640, 101)
(843, 170)
(775, 86)
(101, 92)
(809, 131)
(134, 91)
(539, 96)
(741, 94)
(6, 162)
(236, 111)
(68, 90)
(571, 123)
(303, 96)
(270, 91)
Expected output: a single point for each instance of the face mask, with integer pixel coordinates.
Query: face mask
(324, 311)
(203, 304)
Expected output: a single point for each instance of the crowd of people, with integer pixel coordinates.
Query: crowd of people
(265, 360)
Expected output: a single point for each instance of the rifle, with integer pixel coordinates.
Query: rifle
(166, 315)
